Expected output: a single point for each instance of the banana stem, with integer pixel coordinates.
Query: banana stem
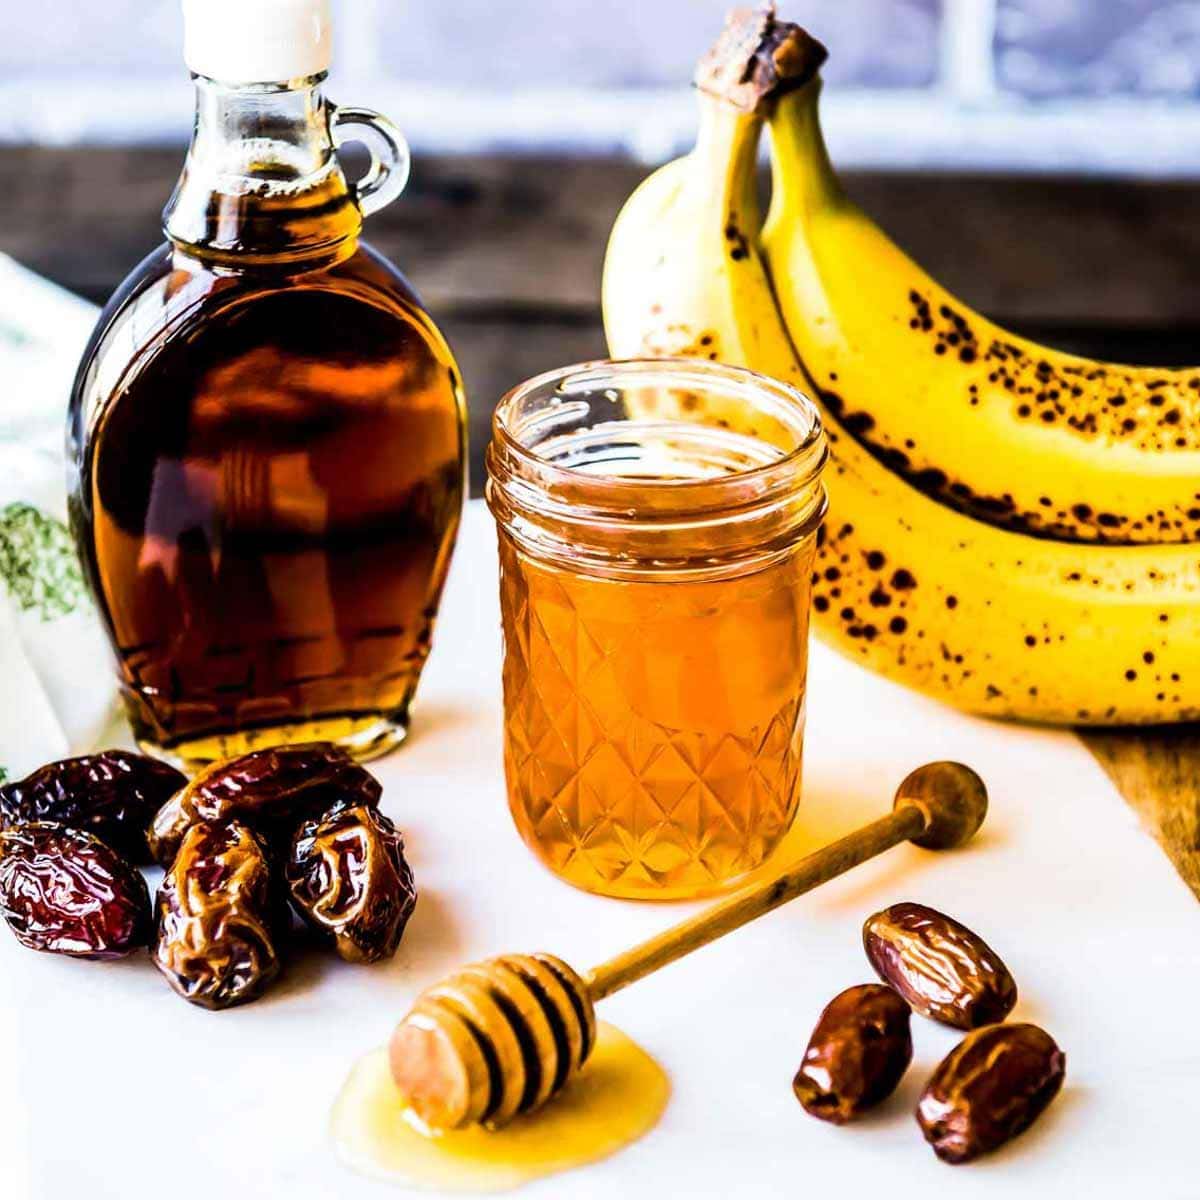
(805, 180)
(758, 58)
(727, 149)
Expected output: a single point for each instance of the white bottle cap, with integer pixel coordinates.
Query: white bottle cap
(257, 41)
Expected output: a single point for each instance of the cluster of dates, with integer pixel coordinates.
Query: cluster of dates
(991, 1087)
(243, 844)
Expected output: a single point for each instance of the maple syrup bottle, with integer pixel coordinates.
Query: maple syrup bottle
(267, 433)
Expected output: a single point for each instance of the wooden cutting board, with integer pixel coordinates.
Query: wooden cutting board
(1157, 770)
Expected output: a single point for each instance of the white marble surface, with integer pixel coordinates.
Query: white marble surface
(113, 1089)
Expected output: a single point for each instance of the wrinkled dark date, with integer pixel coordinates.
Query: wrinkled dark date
(113, 795)
(217, 918)
(272, 791)
(66, 892)
(350, 882)
(858, 1053)
(940, 967)
(990, 1088)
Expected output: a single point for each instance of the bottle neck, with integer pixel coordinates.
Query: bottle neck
(262, 179)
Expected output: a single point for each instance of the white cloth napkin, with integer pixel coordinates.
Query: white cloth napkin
(57, 685)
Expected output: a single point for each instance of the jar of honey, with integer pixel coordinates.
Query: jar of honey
(657, 527)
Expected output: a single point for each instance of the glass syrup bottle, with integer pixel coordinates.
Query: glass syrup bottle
(266, 440)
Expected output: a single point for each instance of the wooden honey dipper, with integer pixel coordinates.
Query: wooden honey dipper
(499, 1038)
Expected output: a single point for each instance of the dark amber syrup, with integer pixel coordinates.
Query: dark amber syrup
(268, 444)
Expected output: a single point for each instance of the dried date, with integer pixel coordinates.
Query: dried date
(66, 892)
(217, 917)
(942, 969)
(272, 791)
(113, 795)
(857, 1055)
(990, 1088)
(350, 882)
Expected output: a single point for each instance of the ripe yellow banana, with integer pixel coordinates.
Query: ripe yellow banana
(1014, 433)
(994, 621)
(681, 276)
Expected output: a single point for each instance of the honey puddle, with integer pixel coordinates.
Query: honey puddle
(616, 1099)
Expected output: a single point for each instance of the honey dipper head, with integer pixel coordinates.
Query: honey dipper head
(493, 1041)
(952, 799)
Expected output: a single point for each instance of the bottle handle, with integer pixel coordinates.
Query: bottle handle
(391, 159)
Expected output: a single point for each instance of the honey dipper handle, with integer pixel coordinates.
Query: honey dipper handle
(901, 825)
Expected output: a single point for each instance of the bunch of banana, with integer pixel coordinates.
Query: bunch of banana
(1011, 529)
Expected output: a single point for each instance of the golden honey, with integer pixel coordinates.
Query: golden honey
(617, 1099)
(625, 774)
(655, 580)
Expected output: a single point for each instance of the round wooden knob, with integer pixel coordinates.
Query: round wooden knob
(493, 1041)
(951, 798)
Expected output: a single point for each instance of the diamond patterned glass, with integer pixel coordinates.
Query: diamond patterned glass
(653, 729)
(658, 522)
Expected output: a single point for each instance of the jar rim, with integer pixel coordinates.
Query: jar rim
(758, 444)
(794, 469)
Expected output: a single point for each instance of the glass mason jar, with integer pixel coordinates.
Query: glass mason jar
(657, 525)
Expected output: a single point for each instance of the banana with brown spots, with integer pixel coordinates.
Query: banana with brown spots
(989, 619)
(1006, 430)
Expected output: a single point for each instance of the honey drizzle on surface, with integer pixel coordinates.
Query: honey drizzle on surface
(616, 1100)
